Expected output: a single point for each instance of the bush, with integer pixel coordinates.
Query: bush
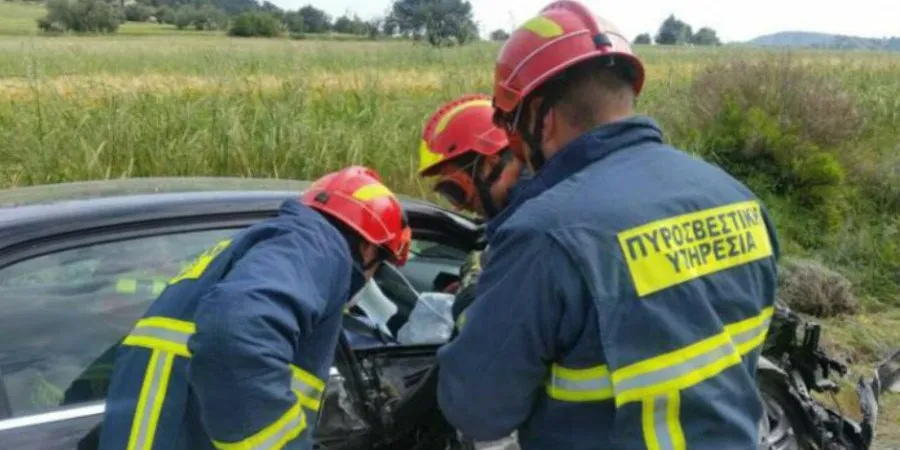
(203, 18)
(80, 16)
(250, 24)
(136, 12)
(799, 97)
(778, 126)
(809, 287)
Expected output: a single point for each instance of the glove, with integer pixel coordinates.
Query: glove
(470, 270)
(463, 299)
(468, 273)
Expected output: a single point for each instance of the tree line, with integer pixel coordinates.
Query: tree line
(676, 32)
(438, 22)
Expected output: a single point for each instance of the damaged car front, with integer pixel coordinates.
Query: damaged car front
(385, 397)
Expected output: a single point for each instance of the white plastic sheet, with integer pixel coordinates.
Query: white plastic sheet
(431, 321)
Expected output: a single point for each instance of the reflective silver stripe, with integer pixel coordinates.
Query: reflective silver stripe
(748, 335)
(277, 440)
(152, 395)
(661, 422)
(175, 337)
(660, 407)
(305, 389)
(591, 384)
(656, 377)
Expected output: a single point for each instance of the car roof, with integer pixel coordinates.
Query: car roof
(33, 212)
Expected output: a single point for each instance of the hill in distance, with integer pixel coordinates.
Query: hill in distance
(803, 39)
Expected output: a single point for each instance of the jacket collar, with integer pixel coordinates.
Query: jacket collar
(590, 147)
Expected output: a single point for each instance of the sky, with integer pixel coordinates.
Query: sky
(732, 20)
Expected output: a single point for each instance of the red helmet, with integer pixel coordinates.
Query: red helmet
(460, 127)
(356, 197)
(564, 34)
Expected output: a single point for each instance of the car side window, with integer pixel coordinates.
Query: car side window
(63, 314)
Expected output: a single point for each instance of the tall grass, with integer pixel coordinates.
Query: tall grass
(101, 107)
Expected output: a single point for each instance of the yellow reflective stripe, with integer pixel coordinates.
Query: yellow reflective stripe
(427, 158)
(661, 422)
(274, 436)
(150, 400)
(453, 112)
(543, 27)
(750, 334)
(133, 285)
(198, 266)
(580, 385)
(162, 333)
(689, 365)
(126, 285)
(372, 191)
(308, 387)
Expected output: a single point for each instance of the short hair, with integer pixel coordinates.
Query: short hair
(591, 90)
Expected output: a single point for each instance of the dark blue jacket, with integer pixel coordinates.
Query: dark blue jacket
(622, 305)
(237, 349)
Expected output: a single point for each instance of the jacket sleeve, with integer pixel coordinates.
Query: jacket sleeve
(247, 330)
(490, 376)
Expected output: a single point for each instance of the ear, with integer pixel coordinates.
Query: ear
(550, 127)
(367, 251)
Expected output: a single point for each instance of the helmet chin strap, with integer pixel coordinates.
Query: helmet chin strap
(483, 186)
(536, 154)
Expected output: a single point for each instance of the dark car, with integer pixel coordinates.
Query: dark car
(80, 263)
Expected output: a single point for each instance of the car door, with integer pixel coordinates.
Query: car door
(63, 312)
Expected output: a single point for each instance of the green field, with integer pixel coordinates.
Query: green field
(819, 132)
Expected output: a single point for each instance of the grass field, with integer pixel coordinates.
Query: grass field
(154, 101)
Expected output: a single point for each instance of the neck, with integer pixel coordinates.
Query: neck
(569, 134)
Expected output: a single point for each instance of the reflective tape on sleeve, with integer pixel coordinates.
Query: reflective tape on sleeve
(275, 436)
(308, 387)
(580, 385)
(162, 333)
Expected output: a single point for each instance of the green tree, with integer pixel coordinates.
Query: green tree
(315, 20)
(255, 23)
(373, 28)
(643, 39)
(499, 35)
(81, 16)
(165, 14)
(343, 24)
(136, 12)
(272, 9)
(205, 17)
(674, 32)
(705, 36)
(441, 22)
(294, 22)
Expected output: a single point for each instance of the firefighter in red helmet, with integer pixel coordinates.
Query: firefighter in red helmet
(468, 156)
(236, 350)
(624, 300)
(473, 168)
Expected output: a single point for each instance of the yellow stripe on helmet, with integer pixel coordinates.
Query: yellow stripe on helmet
(427, 158)
(372, 191)
(543, 27)
(442, 124)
